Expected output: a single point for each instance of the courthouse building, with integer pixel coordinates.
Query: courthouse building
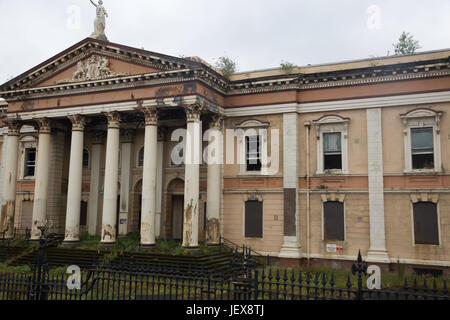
(325, 159)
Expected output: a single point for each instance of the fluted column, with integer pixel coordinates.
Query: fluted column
(109, 220)
(192, 176)
(72, 233)
(149, 174)
(10, 179)
(215, 159)
(93, 214)
(41, 182)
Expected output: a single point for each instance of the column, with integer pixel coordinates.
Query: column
(110, 189)
(72, 233)
(127, 136)
(10, 178)
(159, 179)
(2, 165)
(192, 176)
(215, 160)
(96, 151)
(148, 210)
(42, 178)
(291, 247)
(377, 251)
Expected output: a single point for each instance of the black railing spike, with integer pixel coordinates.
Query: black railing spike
(444, 290)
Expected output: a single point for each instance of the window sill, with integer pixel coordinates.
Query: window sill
(423, 171)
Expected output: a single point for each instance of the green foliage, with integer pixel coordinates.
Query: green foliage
(286, 66)
(226, 65)
(406, 44)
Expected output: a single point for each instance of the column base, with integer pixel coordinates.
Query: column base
(290, 250)
(147, 246)
(70, 243)
(108, 244)
(380, 256)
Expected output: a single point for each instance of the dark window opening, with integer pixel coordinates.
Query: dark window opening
(205, 217)
(141, 158)
(332, 151)
(333, 213)
(426, 230)
(85, 159)
(422, 148)
(83, 213)
(30, 162)
(253, 154)
(253, 219)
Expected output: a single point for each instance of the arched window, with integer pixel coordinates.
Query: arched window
(85, 159)
(141, 157)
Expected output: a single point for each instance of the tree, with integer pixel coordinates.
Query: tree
(226, 65)
(406, 44)
(286, 66)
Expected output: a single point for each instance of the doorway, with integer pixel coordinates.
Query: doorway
(177, 217)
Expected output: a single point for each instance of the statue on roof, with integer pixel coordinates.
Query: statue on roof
(100, 21)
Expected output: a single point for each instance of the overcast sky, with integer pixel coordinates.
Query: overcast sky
(257, 34)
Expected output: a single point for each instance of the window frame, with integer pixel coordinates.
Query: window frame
(418, 119)
(332, 124)
(89, 159)
(27, 142)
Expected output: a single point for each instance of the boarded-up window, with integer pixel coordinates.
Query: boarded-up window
(333, 213)
(26, 215)
(253, 219)
(83, 213)
(426, 230)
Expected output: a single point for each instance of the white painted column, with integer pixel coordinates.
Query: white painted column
(291, 246)
(10, 178)
(148, 209)
(96, 150)
(42, 178)
(110, 189)
(159, 180)
(215, 160)
(192, 177)
(72, 233)
(127, 136)
(2, 165)
(377, 251)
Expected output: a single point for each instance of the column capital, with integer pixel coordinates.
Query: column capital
(216, 121)
(78, 122)
(127, 135)
(151, 115)
(98, 137)
(14, 127)
(44, 125)
(193, 112)
(113, 119)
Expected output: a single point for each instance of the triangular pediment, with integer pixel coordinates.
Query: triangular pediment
(93, 59)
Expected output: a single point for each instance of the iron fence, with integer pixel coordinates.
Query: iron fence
(243, 281)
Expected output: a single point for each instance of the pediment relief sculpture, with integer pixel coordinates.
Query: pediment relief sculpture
(96, 68)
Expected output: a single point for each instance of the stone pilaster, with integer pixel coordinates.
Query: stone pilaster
(192, 176)
(214, 182)
(149, 176)
(96, 150)
(291, 247)
(127, 136)
(42, 179)
(377, 251)
(10, 179)
(72, 231)
(110, 190)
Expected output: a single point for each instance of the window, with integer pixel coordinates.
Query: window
(332, 151)
(83, 213)
(141, 157)
(333, 216)
(30, 162)
(332, 144)
(426, 229)
(253, 153)
(85, 159)
(253, 219)
(422, 147)
(422, 150)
